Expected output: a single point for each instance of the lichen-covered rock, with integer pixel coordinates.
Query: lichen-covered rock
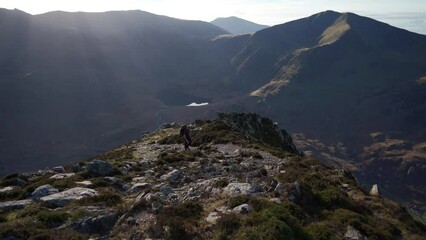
(43, 191)
(234, 189)
(64, 198)
(172, 176)
(99, 168)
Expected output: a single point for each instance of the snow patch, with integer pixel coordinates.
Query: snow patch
(197, 104)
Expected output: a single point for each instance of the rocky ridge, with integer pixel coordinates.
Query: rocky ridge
(242, 179)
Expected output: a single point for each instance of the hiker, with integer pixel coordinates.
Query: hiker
(184, 133)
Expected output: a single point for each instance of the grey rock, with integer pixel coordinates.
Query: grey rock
(86, 183)
(131, 221)
(375, 190)
(172, 176)
(7, 189)
(213, 217)
(62, 175)
(166, 190)
(139, 187)
(275, 200)
(99, 167)
(64, 198)
(114, 180)
(145, 163)
(43, 191)
(280, 189)
(149, 173)
(12, 205)
(125, 169)
(59, 169)
(139, 179)
(234, 189)
(191, 192)
(242, 209)
(99, 224)
(353, 234)
(77, 167)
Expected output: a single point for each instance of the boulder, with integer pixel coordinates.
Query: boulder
(242, 209)
(166, 190)
(64, 198)
(43, 191)
(7, 189)
(12, 205)
(172, 176)
(86, 183)
(234, 189)
(99, 168)
(62, 175)
(139, 187)
(99, 224)
(59, 169)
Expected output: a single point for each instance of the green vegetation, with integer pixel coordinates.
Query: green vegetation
(174, 156)
(227, 226)
(52, 218)
(38, 223)
(124, 152)
(180, 221)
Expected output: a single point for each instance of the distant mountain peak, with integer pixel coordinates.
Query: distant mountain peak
(236, 25)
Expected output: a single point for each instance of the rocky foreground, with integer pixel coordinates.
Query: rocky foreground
(242, 179)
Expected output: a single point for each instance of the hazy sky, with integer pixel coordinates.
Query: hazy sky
(408, 14)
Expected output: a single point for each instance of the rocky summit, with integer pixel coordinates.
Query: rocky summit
(241, 179)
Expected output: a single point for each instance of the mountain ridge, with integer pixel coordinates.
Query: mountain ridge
(236, 25)
(242, 179)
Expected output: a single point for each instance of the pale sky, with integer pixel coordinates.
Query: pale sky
(408, 14)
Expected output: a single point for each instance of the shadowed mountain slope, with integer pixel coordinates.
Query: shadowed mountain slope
(73, 82)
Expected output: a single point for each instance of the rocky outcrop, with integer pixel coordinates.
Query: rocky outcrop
(43, 191)
(260, 128)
